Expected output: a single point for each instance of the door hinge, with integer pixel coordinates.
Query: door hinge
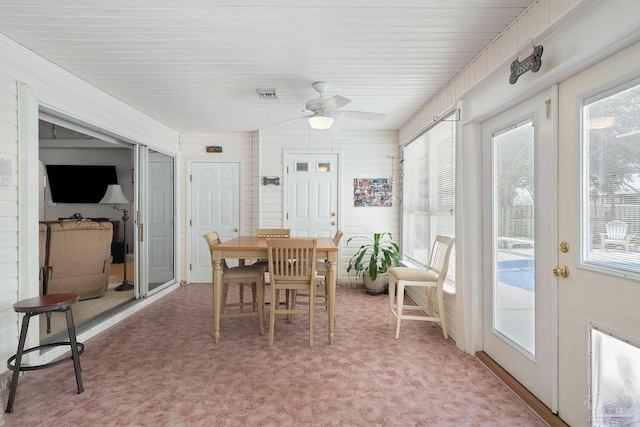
(287, 169)
(287, 215)
(191, 178)
(548, 108)
(190, 223)
(190, 267)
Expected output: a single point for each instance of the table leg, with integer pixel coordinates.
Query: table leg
(217, 298)
(331, 293)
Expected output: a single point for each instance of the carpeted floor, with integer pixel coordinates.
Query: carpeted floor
(88, 309)
(160, 367)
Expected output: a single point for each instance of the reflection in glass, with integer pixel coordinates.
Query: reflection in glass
(324, 167)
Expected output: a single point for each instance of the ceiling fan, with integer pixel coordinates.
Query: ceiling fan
(322, 111)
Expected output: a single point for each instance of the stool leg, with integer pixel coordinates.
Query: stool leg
(16, 368)
(48, 323)
(400, 305)
(71, 328)
(392, 297)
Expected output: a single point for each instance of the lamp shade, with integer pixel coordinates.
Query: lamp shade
(114, 196)
(320, 122)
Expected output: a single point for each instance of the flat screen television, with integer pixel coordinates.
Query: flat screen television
(79, 183)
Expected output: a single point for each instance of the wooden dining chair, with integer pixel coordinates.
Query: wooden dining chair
(272, 233)
(240, 275)
(292, 268)
(321, 271)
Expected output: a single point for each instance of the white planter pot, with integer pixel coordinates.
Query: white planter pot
(374, 286)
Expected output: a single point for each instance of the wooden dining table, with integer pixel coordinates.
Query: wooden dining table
(251, 247)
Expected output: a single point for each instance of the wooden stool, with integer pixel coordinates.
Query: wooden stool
(33, 307)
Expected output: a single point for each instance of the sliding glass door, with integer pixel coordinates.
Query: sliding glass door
(156, 220)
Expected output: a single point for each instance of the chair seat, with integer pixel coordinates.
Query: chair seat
(244, 272)
(412, 274)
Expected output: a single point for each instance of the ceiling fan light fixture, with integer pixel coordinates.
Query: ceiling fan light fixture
(320, 122)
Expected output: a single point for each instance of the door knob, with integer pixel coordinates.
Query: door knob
(333, 223)
(561, 271)
(235, 229)
(564, 247)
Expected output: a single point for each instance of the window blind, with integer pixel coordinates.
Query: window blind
(429, 192)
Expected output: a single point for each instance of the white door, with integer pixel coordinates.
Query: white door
(519, 217)
(161, 218)
(215, 206)
(312, 194)
(599, 182)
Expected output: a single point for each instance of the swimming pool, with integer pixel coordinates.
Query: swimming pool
(518, 273)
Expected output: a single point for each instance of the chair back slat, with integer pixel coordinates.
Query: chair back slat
(273, 233)
(440, 254)
(292, 259)
(617, 230)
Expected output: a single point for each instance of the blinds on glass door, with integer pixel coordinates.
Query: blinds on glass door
(429, 191)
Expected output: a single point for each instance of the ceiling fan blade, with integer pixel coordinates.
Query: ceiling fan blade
(335, 102)
(362, 115)
(292, 120)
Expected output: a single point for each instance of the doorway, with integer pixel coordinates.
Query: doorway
(598, 180)
(519, 213)
(312, 194)
(214, 205)
(66, 145)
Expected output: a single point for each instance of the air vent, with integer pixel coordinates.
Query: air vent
(269, 93)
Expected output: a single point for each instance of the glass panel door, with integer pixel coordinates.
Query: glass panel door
(520, 239)
(514, 284)
(160, 219)
(599, 112)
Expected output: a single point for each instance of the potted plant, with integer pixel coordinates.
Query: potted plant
(373, 259)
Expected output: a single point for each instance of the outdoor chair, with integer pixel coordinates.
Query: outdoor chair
(431, 279)
(616, 235)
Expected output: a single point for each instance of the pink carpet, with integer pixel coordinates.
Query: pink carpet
(161, 367)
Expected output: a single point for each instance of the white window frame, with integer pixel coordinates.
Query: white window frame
(434, 210)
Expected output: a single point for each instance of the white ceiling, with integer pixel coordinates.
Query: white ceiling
(195, 65)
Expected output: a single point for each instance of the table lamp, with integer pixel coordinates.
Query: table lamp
(114, 196)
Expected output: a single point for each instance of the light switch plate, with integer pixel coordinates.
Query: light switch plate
(6, 170)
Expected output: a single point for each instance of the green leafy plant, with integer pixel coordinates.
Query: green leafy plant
(375, 256)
